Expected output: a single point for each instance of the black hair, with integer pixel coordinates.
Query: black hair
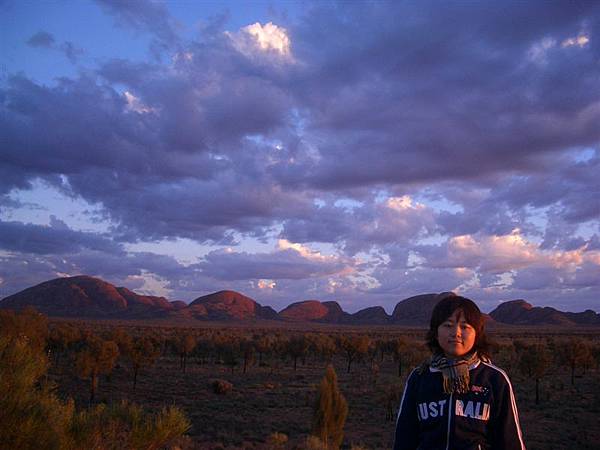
(444, 309)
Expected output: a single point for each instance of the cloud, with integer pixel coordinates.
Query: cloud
(41, 39)
(144, 16)
(71, 51)
(420, 145)
(54, 239)
(538, 51)
(30, 254)
(580, 41)
(265, 38)
(290, 261)
(134, 104)
(395, 220)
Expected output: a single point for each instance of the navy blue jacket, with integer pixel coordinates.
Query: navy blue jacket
(484, 418)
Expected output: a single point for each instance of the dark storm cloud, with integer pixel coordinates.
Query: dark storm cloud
(393, 106)
(177, 140)
(283, 264)
(492, 109)
(361, 227)
(19, 271)
(71, 51)
(571, 185)
(35, 253)
(461, 100)
(547, 279)
(402, 284)
(41, 39)
(144, 16)
(55, 239)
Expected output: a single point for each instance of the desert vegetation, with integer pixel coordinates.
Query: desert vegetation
(33, 416)
(228, 387)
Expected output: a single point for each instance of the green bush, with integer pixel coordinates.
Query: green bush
(32, 417)
(330, 411)
(127, 426)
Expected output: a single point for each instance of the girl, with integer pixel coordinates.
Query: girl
(458, 399)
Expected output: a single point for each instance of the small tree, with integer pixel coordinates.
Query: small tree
(97, 357)
(123, 340)
(574, 352)
(391, 397)
(327, 347)
(62, 337)
(247, 349)
(534, 361)
(506, 356)
(398, 348)
(330, 411)
(141, 353)
(355, 347)
(185, 345)
(297, 347)
(263, 345)
(231, 353)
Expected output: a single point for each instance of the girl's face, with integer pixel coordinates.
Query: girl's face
(455, 335)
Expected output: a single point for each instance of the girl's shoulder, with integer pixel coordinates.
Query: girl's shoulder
(422, 368)
(494, 372)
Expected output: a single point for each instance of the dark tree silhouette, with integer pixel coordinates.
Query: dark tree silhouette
(297, 347)
(574, 352)
(142, 353)
(97, 357)
(398, 348)
(534, 361)
(185, 344)
(61, 338)
(355, 347)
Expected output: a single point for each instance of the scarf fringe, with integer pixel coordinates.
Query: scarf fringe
(455, 372)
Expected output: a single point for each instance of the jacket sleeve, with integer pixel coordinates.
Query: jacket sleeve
(506, 429)
(407, 423)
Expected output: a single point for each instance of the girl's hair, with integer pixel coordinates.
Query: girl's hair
(444, 309)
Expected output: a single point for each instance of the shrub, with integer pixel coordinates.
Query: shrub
(98, 357)
(33, 417)
(313, 443)
(330, 411)
(29, 414)
(221, 387)
(127, 425)
(277, 440)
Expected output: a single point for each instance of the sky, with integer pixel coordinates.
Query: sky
(362, 152)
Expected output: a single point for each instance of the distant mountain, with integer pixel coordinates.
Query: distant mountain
(314, 311)
(416, 310)
(519, 312)
(178, 304)
(84, 296)
(374, 315)
(226, 305)
(88, 297)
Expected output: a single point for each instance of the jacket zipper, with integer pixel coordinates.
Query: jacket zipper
(449, 418)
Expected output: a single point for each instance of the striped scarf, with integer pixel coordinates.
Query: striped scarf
(454, 371)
